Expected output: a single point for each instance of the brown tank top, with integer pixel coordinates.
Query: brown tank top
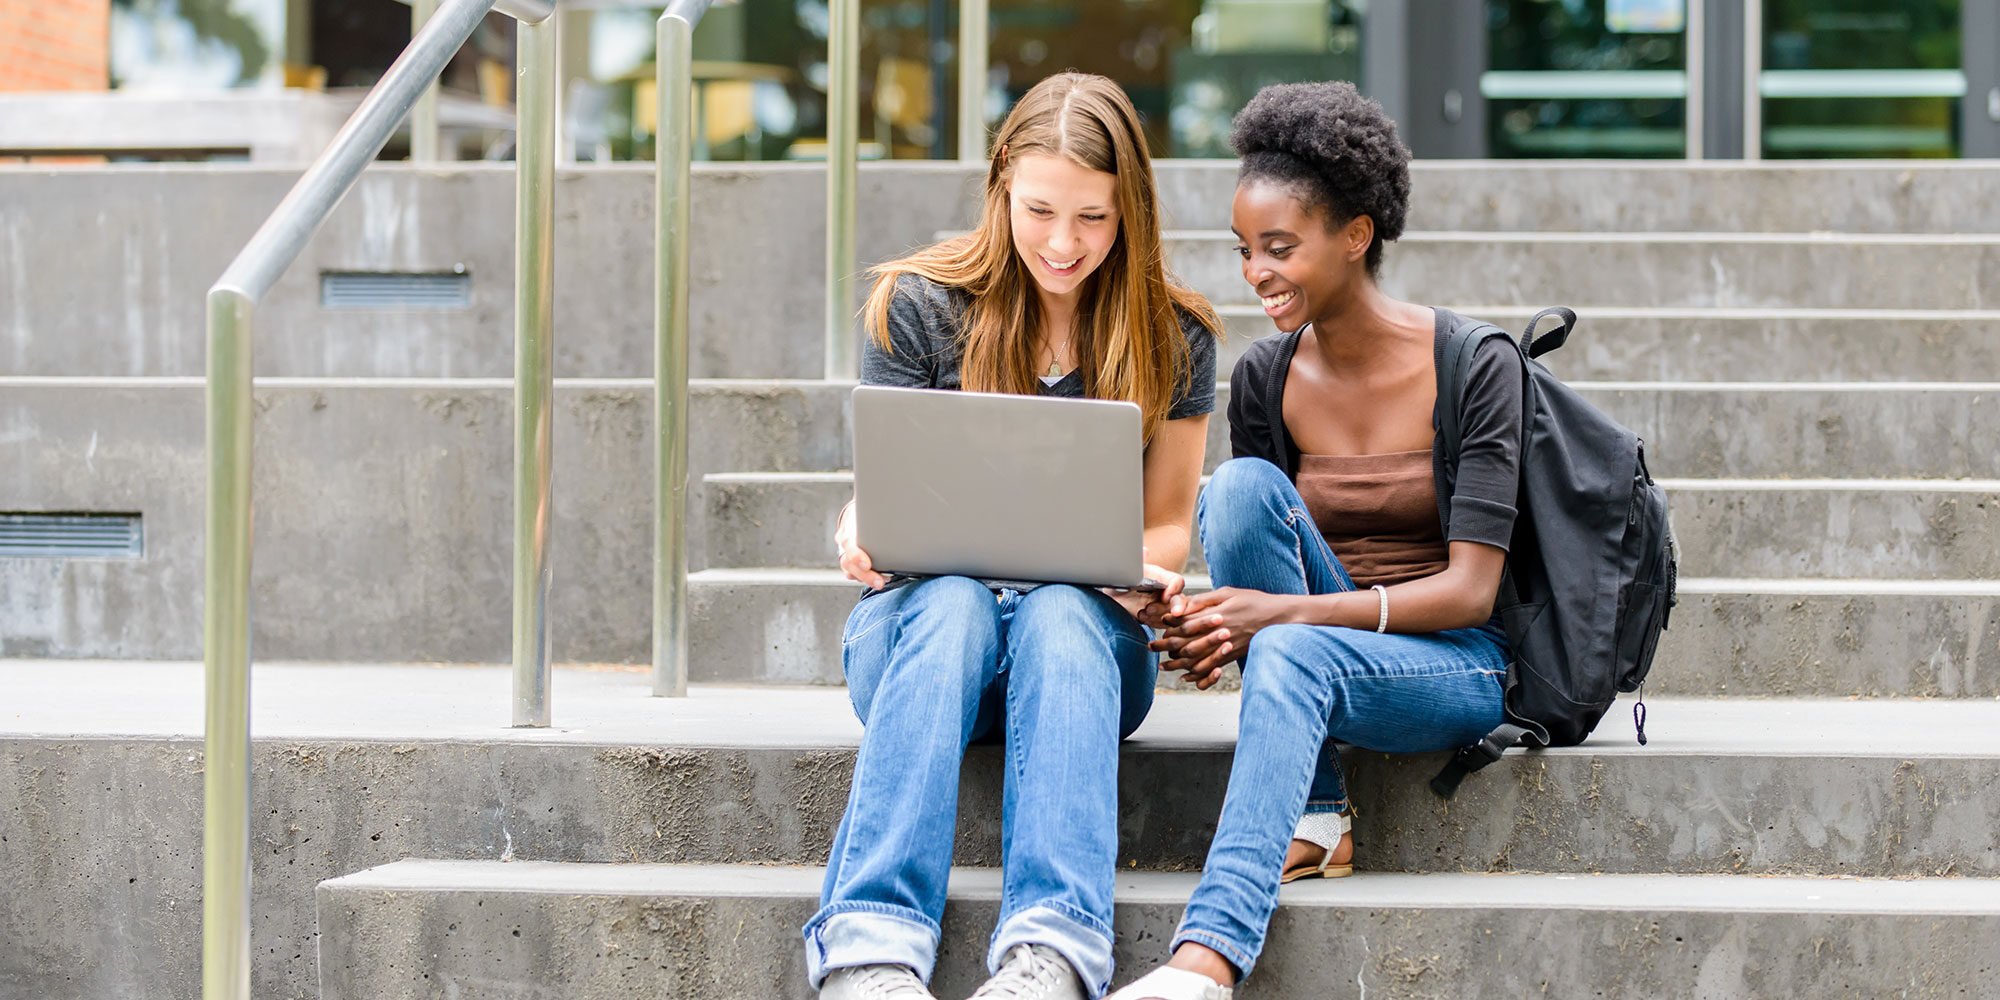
(1379, 514)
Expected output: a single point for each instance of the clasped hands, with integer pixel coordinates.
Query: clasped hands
(1202, 633)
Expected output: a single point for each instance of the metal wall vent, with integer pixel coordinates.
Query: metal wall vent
(71, 536)
(395, 290)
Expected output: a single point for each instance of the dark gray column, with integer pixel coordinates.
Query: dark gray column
(1979, 113)
(1447, 46)
(1723, 85)
(1385, 58)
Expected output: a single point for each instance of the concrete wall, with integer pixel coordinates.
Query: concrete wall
(383, 509)
(103, 270)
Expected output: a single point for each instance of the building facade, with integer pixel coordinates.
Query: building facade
(54, 45)
(1666, 79)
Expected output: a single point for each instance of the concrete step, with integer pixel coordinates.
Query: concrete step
(395, 494)
(1659, 197)
(1724, 270)
(1770, 637)
(1926, 529)
(361, 765)
(419, 929)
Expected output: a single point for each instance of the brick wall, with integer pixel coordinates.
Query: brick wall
(55, 44)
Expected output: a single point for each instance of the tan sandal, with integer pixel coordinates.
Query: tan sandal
(1328, 831)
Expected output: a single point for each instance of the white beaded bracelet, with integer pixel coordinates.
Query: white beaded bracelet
(1382, 593)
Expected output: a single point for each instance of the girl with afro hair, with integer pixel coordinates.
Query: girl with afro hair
(1356, 564)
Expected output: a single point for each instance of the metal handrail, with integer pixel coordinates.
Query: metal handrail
(673, 157)
(524, 11)
(232, 301)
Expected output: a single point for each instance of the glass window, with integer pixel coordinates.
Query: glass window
(761, 69)
(760, 80)
(1586, 78)
(196, 45)
(1875, 78)
(1188, 65)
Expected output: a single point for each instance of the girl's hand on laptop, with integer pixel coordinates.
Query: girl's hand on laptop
(1152, 607)
(854, 562)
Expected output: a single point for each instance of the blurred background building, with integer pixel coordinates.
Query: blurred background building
(1468, 78)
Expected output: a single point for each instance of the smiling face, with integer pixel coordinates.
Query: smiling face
(1065, 221)
(1301, 267)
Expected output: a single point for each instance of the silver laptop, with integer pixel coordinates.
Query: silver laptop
(1000, 488)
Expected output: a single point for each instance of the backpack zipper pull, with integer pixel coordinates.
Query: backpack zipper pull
(1639, 715)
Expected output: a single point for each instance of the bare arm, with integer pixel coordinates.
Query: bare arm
(1172, 484)
(1215, 628)
(1459, 596)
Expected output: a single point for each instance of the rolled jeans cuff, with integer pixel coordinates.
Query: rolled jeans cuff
(1079, 937)
(849, 934)
(1228, 949)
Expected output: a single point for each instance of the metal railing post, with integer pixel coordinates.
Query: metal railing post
(673, 130)
(225, 910)
(843, 131)
(232, 302)
(534, 362)
(972, 62)
(424, 139)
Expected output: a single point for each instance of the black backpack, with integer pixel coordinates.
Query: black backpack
(1591, 568)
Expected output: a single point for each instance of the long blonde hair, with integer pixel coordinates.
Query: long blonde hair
(1129, 343)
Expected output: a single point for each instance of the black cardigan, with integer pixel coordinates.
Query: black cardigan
(1482, 480)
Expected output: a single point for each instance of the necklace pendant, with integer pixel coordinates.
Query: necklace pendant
(1055, 369)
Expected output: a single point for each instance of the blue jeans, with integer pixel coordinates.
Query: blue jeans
(1307, 686)
(1060, 675)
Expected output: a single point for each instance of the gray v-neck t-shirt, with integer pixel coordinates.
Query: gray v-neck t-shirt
(924, 319)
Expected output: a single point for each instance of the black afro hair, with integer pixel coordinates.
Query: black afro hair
(1335, 148)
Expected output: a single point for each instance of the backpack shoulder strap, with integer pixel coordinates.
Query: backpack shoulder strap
(1454, 362)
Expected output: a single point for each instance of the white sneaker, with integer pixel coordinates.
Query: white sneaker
(1167, 983)
(874, 982)
(1033, 972)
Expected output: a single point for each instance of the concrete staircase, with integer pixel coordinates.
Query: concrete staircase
(1812, 354)
(1828, 846)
